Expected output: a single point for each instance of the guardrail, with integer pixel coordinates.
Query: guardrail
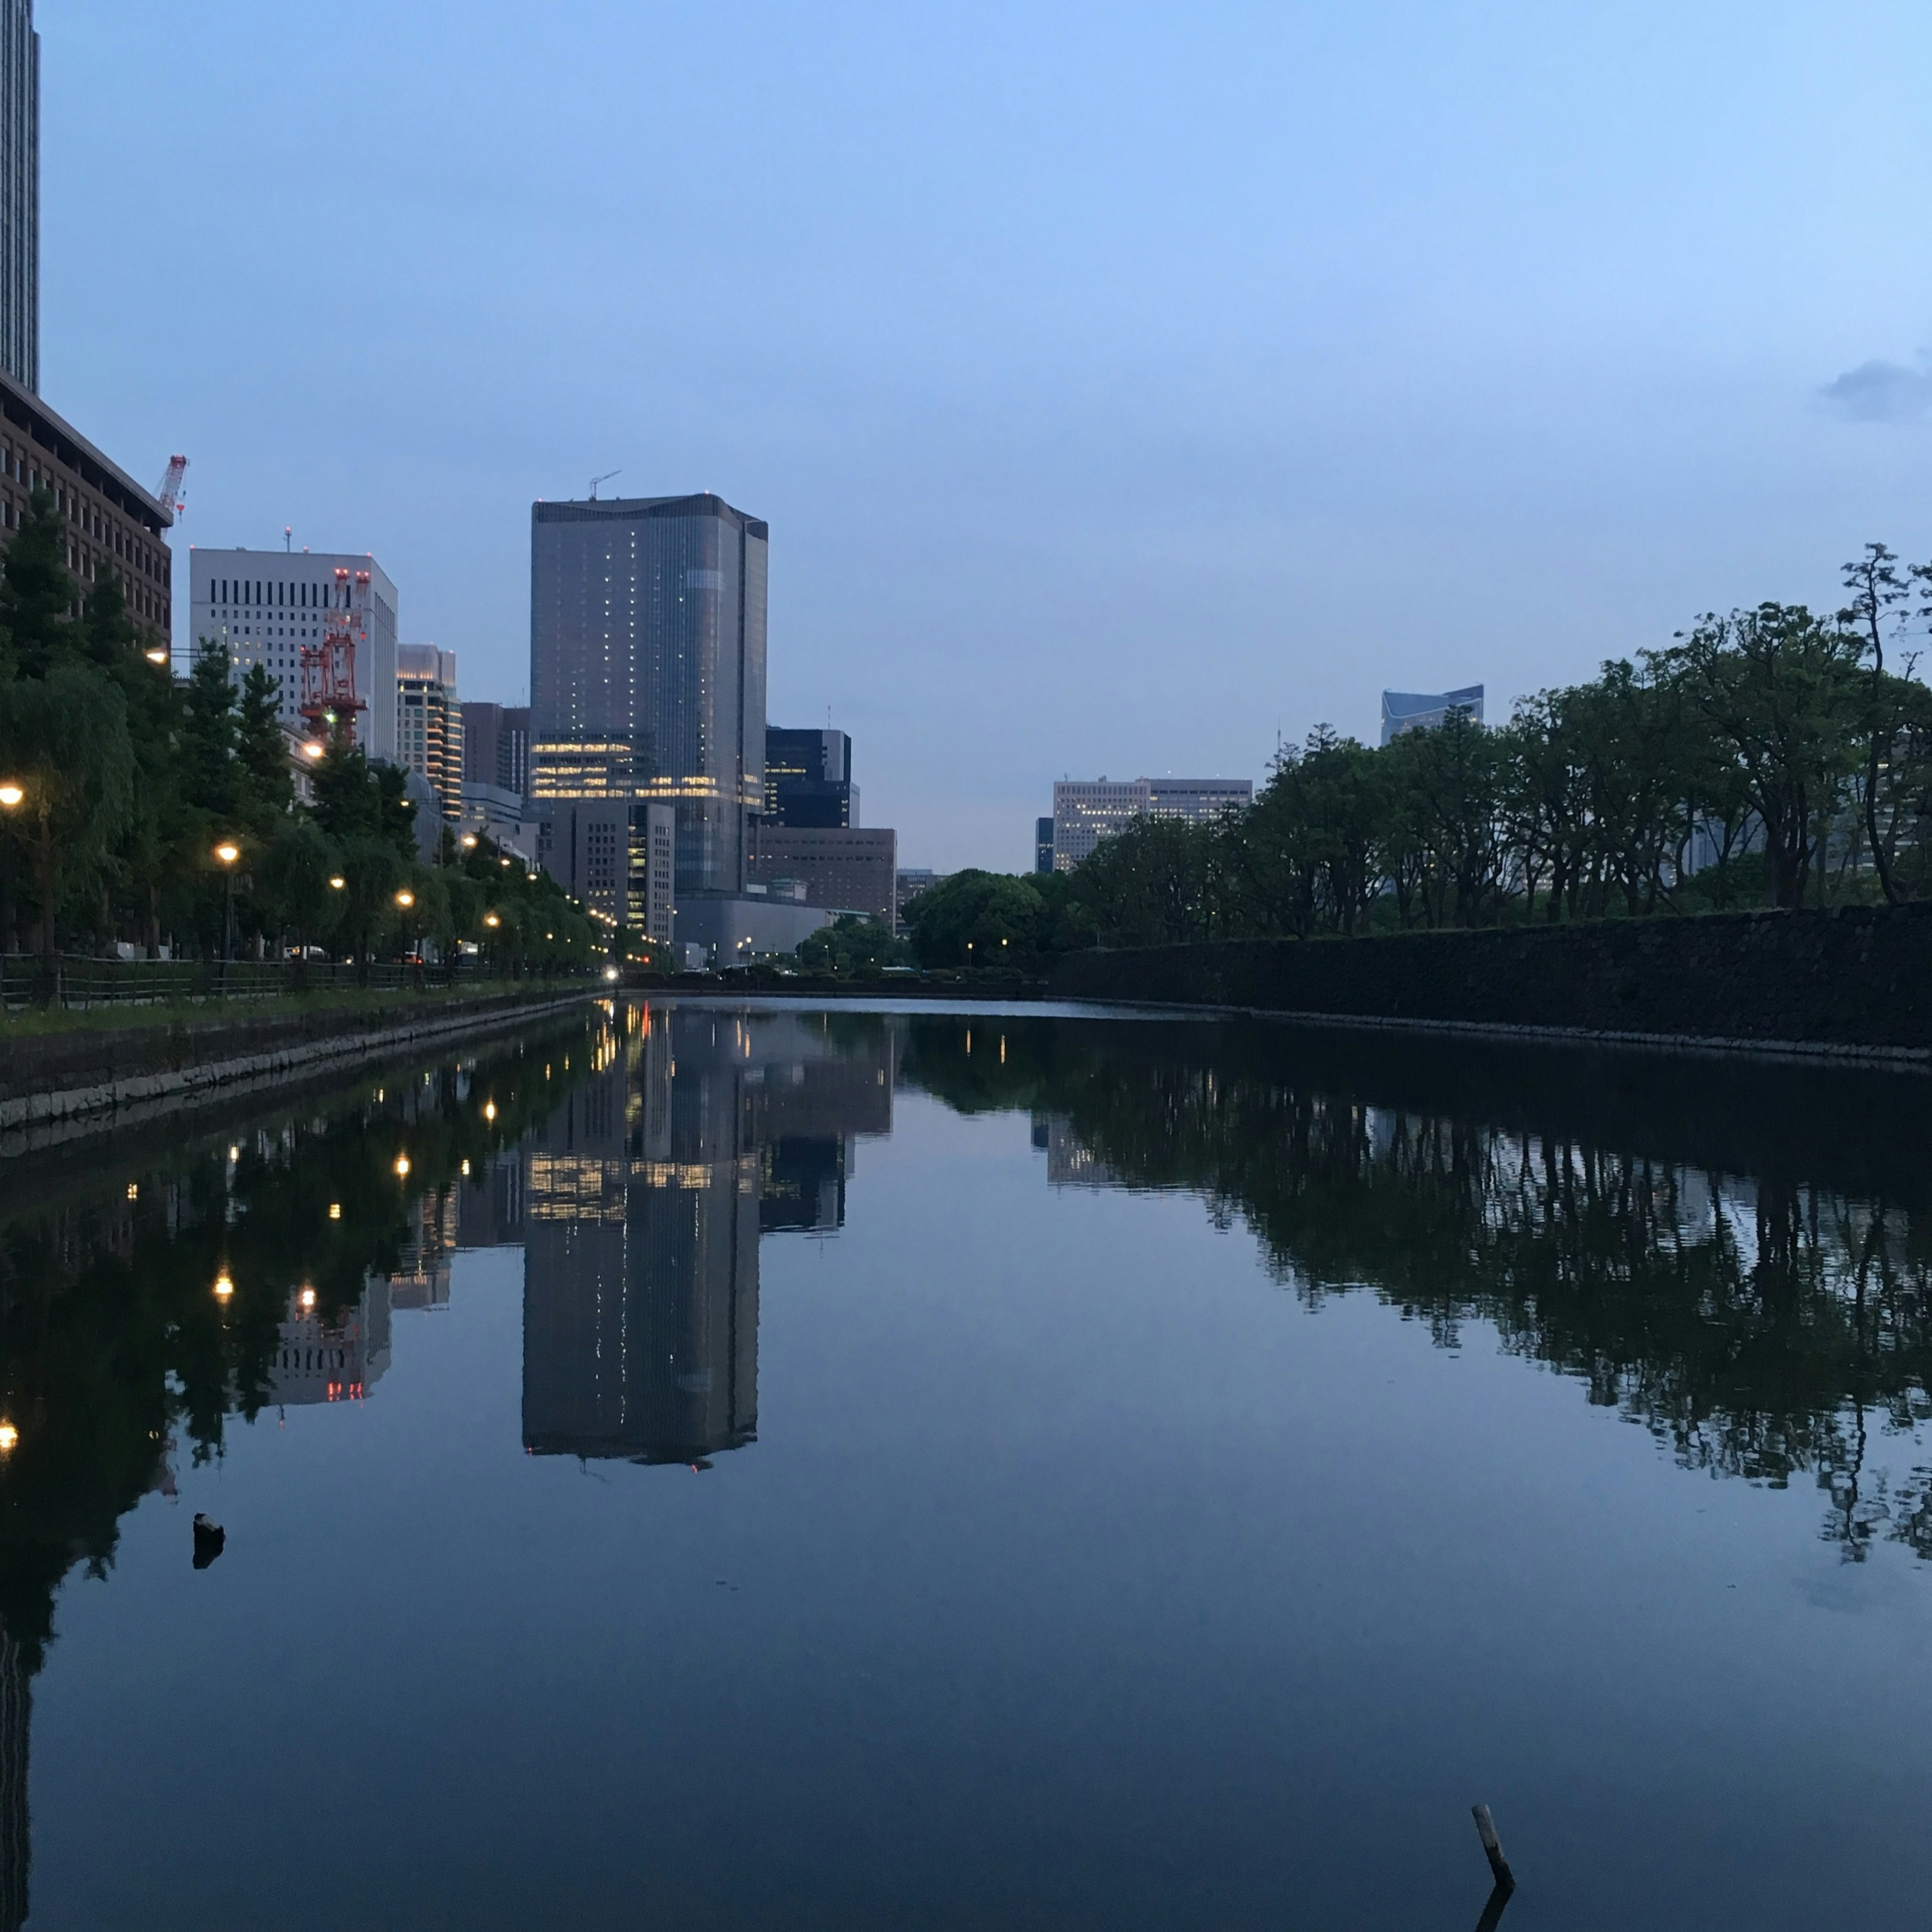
(76, 980)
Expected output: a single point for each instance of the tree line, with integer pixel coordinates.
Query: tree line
(138, 808)
(1768, 757)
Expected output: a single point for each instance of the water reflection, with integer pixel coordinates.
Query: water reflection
(1735, 1257)
(643, 1200)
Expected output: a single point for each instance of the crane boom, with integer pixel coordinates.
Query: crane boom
(169, 489)
(329, 667)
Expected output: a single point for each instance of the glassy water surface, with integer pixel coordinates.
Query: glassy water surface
(706, 1468)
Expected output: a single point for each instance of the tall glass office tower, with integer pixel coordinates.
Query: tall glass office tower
(20, 194)
(647, 668)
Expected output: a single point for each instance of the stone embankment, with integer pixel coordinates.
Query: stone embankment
(1854, 983)
(53, 1085)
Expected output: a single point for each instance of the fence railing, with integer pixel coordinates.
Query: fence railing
(76, 980)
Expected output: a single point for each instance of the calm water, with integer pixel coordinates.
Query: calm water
(699, 1468)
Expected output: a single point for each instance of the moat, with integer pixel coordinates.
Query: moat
(708, 1464)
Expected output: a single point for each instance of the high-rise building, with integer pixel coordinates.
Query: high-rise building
(618, 856)
(429, 723)
(1042, 845)
(809, 778)
(1087, 811)
(20, 194)
(647, 670)
(262, 606)
(496, 746)
(1422, 711)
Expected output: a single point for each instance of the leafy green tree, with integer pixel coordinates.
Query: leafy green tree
(64, 739)
(851, 944)
(37, 596)
(976, 918)
(209, 781)
(264, 789)
(292, 893)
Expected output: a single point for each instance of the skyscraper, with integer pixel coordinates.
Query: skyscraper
(809, 778)
(647, 671)
(19, 194)
(429, 723)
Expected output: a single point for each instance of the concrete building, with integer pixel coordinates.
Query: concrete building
(20, 195)
(808, 779)
(647, 671)
(849, 869)
(496, 746)
(112, 522)
(262, 606)
(1422, 711)
(618, 855)
(429, 723)
(1085, 811)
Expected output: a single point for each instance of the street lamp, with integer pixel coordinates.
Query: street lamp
(406, 899)
(228, 852)
(11, 794)
(314, 749)
(158, 655)
(336, 884)
(490, 919)
(469, 842)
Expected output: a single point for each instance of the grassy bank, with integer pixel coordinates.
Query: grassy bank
(37, 1022)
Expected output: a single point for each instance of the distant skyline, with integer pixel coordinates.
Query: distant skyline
(1121, 386)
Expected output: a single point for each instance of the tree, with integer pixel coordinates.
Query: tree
(975, 919)
(36, 596)
(209, 780)
(264, 790)
(65, 742)
(1877, 590)
(850, 944)
(1777, 685)
(291, 888)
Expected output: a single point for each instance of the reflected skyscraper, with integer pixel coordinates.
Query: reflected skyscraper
(644, 1200)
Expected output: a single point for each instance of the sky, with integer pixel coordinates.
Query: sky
(1128, 389)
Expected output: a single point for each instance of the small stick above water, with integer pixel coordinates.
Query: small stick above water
(1485, 1829)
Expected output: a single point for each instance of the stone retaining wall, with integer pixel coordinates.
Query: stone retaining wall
(96, 1077)
(1854, 983)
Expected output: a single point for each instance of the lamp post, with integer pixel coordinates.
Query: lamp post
(228, 852)
(11, 794)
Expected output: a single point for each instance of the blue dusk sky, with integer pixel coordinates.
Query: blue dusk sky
(1123, 385)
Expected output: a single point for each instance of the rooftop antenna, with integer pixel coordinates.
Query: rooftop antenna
(604, 478)
(288, 538)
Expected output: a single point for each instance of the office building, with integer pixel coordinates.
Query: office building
(647, 671)
(912, 880)
(262, 606)
(496, 747)
(618, 855)
(19, 194)
(1421, 711)
(1042, 845)
(808, 779)
(1085, 811)
(850, 870)
(112, 523)
(429, 723)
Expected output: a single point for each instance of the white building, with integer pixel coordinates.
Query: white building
(265, 604)
(1087, 811)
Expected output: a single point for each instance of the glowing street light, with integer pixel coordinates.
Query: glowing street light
(10, 1437)
(158, 655)
(10, 795)
(490, 919)
(406, 899)
(223, 1287)
(314, 749)
(489, 1110)
(336, 884)
(228, 852)
(469, 842)
(402, 1166)
(610, 973)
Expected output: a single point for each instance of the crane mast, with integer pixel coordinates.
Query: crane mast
(328, 696)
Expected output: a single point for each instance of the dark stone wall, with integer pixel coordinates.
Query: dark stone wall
(1856, 977)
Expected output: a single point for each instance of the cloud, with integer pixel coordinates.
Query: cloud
(1881, 391)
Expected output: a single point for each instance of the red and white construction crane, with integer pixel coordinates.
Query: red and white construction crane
(168, 492)
(328, 696)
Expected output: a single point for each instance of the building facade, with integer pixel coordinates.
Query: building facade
(496, 746)
(262, 606)
(1422, 711)
(20, 195)
(808, 779)
(848, 869)
(1042, 845)
(647, 669)
(429, 723)
(1085, 811)
(112, 523)
(618, 856)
